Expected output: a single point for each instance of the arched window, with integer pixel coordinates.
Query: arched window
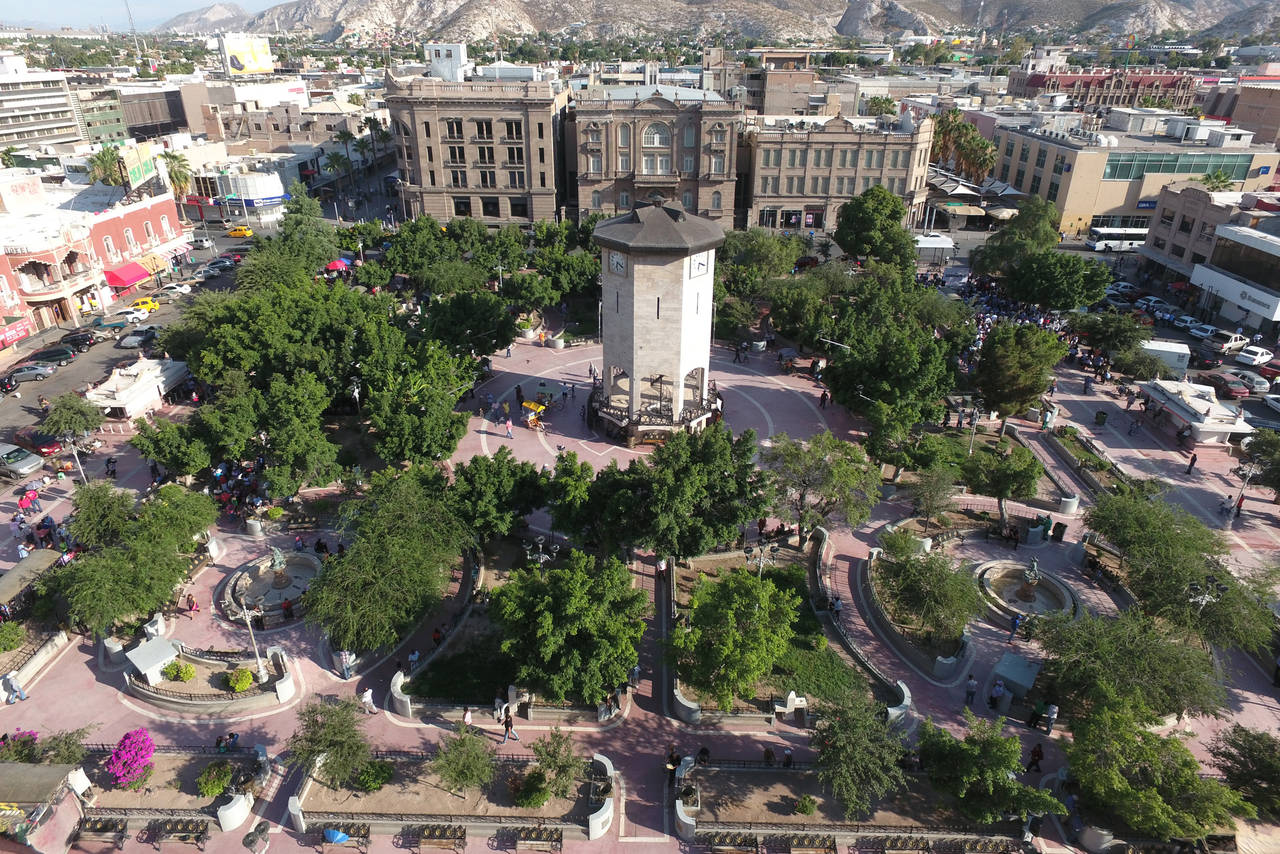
(109, 247)
(657, 136)
(151, 232)
(687, 200)
(624, 136)
(128, 238)
(595, 199)
(164, 225)
(715, 200)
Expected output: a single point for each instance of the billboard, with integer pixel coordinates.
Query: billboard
(243, 55)
(139, 163)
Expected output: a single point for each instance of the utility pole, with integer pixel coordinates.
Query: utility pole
(133, 29)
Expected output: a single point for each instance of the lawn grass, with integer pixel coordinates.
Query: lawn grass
(471, 674)
(809, 667)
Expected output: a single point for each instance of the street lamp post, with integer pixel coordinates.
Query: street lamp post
(69, 439)
(248, 622)
(1249, 470)
(760, 557)
(533, 551)
(1204, 594)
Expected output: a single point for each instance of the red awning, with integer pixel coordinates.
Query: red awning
(127, 276)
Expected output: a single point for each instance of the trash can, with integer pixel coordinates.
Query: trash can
(1059, 531)
(1100, 418)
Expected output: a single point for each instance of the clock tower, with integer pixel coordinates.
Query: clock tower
(658, 267)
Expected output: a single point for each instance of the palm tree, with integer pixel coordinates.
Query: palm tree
(346, 137)
(7, 160)
(946, 128)
(336, 162)
(975, 157)
(372, 125)
(364, 148)
(179, 169)
(105, 166)
(1217, 181)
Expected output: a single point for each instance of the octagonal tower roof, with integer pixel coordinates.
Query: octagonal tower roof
(657, 227)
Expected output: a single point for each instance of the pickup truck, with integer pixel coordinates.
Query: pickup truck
(113, 327)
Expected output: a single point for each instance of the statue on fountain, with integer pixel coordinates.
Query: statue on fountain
(279, 567)
(1030, 578)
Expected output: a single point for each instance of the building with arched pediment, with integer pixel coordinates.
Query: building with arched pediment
(624, 144)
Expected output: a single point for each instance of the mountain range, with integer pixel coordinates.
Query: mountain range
(474, 20)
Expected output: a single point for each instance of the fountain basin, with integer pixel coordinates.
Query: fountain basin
(1005, 589)
(256, 585)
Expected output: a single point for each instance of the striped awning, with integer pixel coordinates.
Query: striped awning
(154, 263)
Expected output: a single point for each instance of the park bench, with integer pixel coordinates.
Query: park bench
(186, 831)
(113, 830)
(357, 837)
(442, 837)
(539, 839)
(813, 844)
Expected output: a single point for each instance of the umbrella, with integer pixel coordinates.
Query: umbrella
(335, 836)
(1002, 213)
(337, 264)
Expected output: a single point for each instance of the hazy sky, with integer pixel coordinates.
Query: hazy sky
(95, 13)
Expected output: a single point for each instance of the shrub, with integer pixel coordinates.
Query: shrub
(21, 747)
(12, 636)
(375, 775)
(215, 778)
(179, 671)
(532, 792)
(130, 763)
(274, 514)
(806, 805)
(239, 679)
(819, 642)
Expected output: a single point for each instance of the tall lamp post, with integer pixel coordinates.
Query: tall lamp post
(759, 556)
(533, 551)
(973, 428)
(248, 622)
(1248, 470)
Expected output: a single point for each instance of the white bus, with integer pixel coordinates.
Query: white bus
(1115, 239)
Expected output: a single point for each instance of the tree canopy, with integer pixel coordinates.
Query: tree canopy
(858, 755)
(1058, 281)
(1111, 331)
(927, 591)
(738, 627)
(819, 479)
(490, 494)
(1014, 365)
(871, 226)
(1034, 230)
(1249, 760)
(330, 729)
(572, 629)
(1011, 472)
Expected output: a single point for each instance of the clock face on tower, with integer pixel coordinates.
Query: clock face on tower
(618, 263)
(698, 264)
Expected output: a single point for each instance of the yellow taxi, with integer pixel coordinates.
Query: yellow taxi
(240, 231)
(144, 304)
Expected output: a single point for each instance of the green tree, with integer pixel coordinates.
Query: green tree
(1010, 474)
(491, 494)
(823, 478)
(1217, 181)
(1058, 281)
(71, 417)
(870, 226)
(178, 169)
(559, 762)
(330, 730)
(8, 158)
(1014, 365)
(858, 755)
(739, 626)
(174, 446)
(336, 163)
(981, 770)
(572, 630)
(1032, 231)
(765, 255)
(1150, 782)
(928, 591)
(465, 760)
(702, 488)
(106, 166)
(880, 105)
(413, 413)
(1264, 449)
(529, 291)
(1093, 661)
(1249, 760)
(474, 321)
(404, 545)
(1112, 332)
(933, 492)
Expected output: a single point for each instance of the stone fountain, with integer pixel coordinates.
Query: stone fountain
(1012, 587)
(267, 581)
(1030, 578)
(280, 569)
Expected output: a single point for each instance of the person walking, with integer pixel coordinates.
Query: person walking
(1053, 386)
(1192, 462)
(509, 433)
(508, 729)
(366, 700)
(1037, 756)
(1037, 713)
(193, 607)
(508, 351)
(970, 691)
(822, 399)
(413, 659)
(34, 497)
(15, 688)
(466, 716)
(673, 762)
(997, 691)
(1050, 717)
(1014, 625)
(1239, 505)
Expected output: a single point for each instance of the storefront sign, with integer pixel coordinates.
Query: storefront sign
(15, 331)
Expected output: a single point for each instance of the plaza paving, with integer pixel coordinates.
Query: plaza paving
(75, 689)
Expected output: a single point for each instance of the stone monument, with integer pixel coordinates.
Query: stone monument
(658, 268)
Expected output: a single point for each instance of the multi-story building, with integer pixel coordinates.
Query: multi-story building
(486, 150)
(152, 110)
(1186, 218)
(1044, 71)
(35, 106)
(70, 249)
(99, 114)
(1114, 179)
(1257, 108)
(799, 172)
(624, 144)
(783, 85)
(1240, 283)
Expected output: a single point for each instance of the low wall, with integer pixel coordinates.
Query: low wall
(880, 623)
(408, 706)
(599, 822)
(278, 691)
(42, 656)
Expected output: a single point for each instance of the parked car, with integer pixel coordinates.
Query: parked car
(16, 463)
(220, 264)
(1118, 303)
(59, 354)
(107, 326)
(1254, 355)
(1152, 305)
(1123, 288)
(1270, 370)
(1184, 321)
(81, 340)
(1226, 342)
(131, 315)
(33, 371)
(1257, 384)
(1273, 401)
(31, 439)
(8, 385)
(146, 304)
(171, 292)
(1205, 360)
(140, 337)
(202, 243)
(1202, 330)
(1225, 385)
(240, 231)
